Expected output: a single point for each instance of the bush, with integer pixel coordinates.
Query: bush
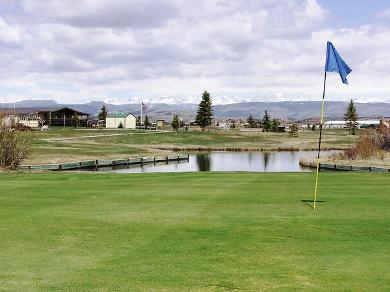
(120, 126)
(15, 145)
(371, 144)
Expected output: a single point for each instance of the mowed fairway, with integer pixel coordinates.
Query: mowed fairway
(194, 231)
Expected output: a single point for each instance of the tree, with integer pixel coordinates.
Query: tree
(138, 121)
(266, 122)
(103, 113)
(175, 123)
(251, 121)
(146, 122)
(204, 115)
(120, 126)
(313, 128)
(275, 125)
(294, 130)
(350, 117)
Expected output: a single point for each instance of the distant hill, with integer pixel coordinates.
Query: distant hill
(294, 110)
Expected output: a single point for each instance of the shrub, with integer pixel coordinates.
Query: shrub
(371, 144)
(15, 145)
(120, 126)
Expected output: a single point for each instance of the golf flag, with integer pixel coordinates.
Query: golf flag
(334, 63)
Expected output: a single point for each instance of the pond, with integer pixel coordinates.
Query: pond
(275, 161)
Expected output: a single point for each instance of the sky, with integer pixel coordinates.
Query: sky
(170, 51)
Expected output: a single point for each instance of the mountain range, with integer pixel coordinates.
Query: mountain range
(290, 110)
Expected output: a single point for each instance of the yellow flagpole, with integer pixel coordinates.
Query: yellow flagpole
(319, 144)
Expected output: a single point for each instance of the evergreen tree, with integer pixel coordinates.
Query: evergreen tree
(350, 117)
(175, 123)
(138, 121)
(103, 113)
(266, 122)
(251, 121)
(120, 126)
(294, 130)
(275, 125)
(204, 115)
(146, 122)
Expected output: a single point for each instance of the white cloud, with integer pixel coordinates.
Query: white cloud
(172, 50)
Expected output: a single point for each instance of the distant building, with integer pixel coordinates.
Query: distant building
(35, 117)
(361, 124)
(334, 125)
(160, 124)
(128, 120)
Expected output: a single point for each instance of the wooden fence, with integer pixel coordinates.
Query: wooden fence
(352, 168)
(95, 164)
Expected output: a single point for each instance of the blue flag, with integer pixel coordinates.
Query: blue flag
(334, 63)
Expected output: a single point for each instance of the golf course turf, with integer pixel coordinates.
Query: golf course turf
(194, 231)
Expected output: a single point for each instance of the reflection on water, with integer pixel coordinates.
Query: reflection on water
(203, 161)
(277, 161)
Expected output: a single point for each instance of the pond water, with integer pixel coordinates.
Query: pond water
(276, 161)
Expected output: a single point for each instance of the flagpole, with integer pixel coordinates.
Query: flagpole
(141, 112)
(319, 143)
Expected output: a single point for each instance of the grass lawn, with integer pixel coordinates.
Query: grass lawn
(194, 231)
(69, 145)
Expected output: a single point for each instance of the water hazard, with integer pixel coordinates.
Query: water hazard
(276, 161)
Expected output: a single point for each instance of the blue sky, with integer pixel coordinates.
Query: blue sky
(354, 13)
(171, 50)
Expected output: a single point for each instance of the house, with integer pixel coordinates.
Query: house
(127, 120)
(36, 117)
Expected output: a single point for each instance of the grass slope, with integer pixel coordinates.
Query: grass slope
(194, 231)
(68, 144)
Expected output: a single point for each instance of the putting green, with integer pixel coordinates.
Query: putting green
(194, 231)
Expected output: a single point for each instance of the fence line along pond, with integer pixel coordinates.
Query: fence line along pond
(111, 164)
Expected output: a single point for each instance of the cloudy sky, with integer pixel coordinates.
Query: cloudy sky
(172, 50)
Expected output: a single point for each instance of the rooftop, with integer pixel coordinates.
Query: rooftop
(118, 115)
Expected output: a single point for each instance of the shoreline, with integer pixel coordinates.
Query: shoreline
(244, 149)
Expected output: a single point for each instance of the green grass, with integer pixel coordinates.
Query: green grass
(194, 231)
(55, 145)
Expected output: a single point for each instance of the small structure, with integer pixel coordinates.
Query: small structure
(160, 124)
(114, 120)
(36, 117)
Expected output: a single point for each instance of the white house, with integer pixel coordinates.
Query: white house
(127, 120)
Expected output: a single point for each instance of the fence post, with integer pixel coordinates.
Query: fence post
(167, 160)
(60, 167)
(79, 164)
(154, 161)
(142, 161)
